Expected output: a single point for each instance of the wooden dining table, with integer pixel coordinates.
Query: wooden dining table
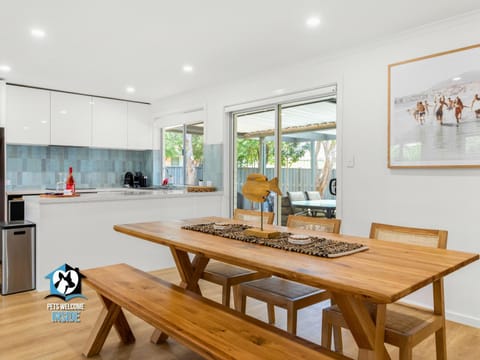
(383, 274)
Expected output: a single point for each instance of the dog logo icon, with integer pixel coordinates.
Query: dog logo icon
(65, 283)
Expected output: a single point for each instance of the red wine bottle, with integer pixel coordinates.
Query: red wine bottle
(70, 183)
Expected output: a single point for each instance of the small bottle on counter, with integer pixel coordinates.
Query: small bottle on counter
(70, 182)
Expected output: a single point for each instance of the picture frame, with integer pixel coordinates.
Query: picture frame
(434, 110)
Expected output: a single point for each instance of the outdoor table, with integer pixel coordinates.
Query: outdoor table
(328, 205)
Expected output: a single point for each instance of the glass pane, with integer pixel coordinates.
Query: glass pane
(255, 153)
(173, 155)
(308, 145)
(194, 153)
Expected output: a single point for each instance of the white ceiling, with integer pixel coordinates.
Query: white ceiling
(100, 47)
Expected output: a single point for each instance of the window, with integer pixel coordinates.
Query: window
(183, 154)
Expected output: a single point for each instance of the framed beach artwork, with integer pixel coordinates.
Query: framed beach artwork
(434, 110)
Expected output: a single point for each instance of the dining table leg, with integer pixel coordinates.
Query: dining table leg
(368, 333)
(190, 272)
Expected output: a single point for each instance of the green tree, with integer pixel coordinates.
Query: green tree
(292, 152)
(248, 152)
(173, 144)
(197, 149)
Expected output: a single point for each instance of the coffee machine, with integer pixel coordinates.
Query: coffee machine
(139, 180)
(128, 179)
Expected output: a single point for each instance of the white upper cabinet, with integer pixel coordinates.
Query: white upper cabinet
(28, 116)
(140, 126)
(109, 123)
(71, 119)
(3, 102)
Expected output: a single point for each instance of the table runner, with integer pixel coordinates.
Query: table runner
(320, 246)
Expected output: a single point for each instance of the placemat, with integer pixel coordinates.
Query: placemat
(319, 246)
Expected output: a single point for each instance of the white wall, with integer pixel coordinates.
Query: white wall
(432, 198)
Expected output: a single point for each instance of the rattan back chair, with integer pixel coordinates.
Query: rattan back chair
(287, 294)
(228, 276)
(405, 326)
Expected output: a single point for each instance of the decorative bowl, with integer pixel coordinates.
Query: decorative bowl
(297, 239)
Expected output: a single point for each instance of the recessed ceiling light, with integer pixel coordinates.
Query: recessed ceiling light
(43, 121)
(130, 89)
(188, 68)
(5, 68)
(38, 33)
(313, 21)
(63, 112)
(278, 91)
(457, 78)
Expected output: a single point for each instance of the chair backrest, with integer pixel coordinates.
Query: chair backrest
(296, 196)
(313, 195)
(314, 223)
(253, 216)
(409, 235)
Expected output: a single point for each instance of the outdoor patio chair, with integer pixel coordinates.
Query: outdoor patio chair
(315, 195)
(297, 196)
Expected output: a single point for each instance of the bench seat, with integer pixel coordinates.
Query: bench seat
(206, 327)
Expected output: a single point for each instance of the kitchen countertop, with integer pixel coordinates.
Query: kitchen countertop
(43, 190)
(119, 194)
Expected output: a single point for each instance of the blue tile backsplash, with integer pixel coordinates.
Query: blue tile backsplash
(39, 166)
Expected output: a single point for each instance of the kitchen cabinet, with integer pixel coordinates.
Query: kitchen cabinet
(109, 123)
(3, 102)
(140, 126)
(71, 119)
(28, 116)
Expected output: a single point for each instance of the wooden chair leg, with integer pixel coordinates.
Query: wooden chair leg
(236, 297)
(292, 320)
(100, 331)
(271, 313)
(158, 337)
(406, 353)
(226, 295)
(326, 334)
(242, 302)
(441, 343)
(337, 338)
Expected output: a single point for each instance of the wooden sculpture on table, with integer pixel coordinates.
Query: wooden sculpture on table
(256, 189)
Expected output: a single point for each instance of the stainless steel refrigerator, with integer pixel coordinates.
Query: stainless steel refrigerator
(17, 238)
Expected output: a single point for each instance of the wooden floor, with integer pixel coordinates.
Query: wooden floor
(26, 331)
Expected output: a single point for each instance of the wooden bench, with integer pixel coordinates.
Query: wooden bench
(206, 327)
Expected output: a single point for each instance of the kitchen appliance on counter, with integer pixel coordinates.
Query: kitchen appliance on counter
(139, 180)
(135, 181)
(128, 179)
(17, 256)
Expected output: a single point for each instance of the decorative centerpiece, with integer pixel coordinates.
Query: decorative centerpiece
(256, 189)
(298, 239)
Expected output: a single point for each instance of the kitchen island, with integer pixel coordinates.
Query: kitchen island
(79, 230)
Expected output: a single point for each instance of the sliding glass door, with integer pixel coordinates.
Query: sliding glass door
(302, 134)
(254, 151)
